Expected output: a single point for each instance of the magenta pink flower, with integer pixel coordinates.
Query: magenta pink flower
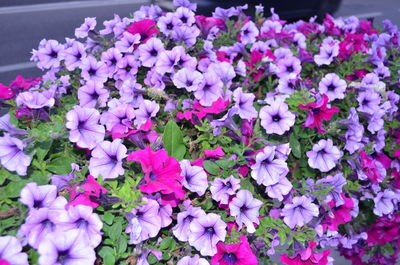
(200, 112)
(205, 24)
(341, 214)
(307, 257)
(161, 172)
(146, 28)
(217, 152)
(234, 254)
(318, 111)
(6, 92)
(87, 193)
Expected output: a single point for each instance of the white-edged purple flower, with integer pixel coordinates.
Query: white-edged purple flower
(185, 78)
(93, 69)
(299, 212)
(65, 248)
(127, 68)
(209, 90)
(222, 189)
(36, 197)
(185, 15)
(279, 189)
(355, 132)
(324, 155)
(36, 99)
(246, 210)
(86, 27)
(249, 32)
(106, 160)
(185, 34)
(165, 213)
(333, 86)
(84, 128)
(205, 232)
(194, 177)
(167, 60)
(12, 156)
(195, 260)
(10, 252)
(268, 169)
(385, 202)
(149, 51)
(147, 110)
(244, 104)
(144, 222)
(224, 71)
(276, 118)
(93, 93)
(184, 219)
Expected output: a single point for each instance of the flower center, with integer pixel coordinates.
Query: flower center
(289, 69)
(331, 87)
(153, 176)
(81, 223)
(230, 258)
(276, 118)
(63, 256)
(37, 204)
(153, 53)
(210, 230)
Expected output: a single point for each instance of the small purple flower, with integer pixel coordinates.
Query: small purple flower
(289, 68)
(6, 125)
(328, 51)
(276, 118)
(246, 210)
(36, 99)
(195, 260)
(49, 54)
(12, 155)
(184, 219)
(299, 212)
(36, 197)
(106, 160)
(127, 68)
(149, 51)
(385, 202)
(167, 60)
(86, 27)
(279, 189)
(118, 118)
(185, 3)
(368, 101)
(84, 128)
(147, 110)
(185, 34)
(333, 86)
(222, 189)
(93, 94)
(185, 15)
(65, 248)
(209, 90)
(93, 69)
(244, 104)
(73, 55)
(10, 252)
(168, 23)
(324, 155)
(249, 32)
(185, 78)
(268, 169)
(205, 232)
(355, 132)
(194, 178)
(336, 183)
(144, 222)
(111, 57)
(165, 213)
(127, 43)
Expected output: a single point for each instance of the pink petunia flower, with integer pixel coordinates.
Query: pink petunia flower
(146, 28)
(86, 194)
(234, 254)
(307, 257)
(341, 214)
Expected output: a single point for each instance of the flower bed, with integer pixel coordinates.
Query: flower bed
(174, 138)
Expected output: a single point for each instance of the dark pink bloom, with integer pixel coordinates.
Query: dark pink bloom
(370, 168)
(200, 112)
(307, 257)
(341, 214)
(352, 43)
(385, 230)
(6, 92)
(330, 26)
(384, 160)
(146, 28)
(217, 152)
(21, 83)
(357, 74)
(161, 172)
(234, 254)
(397, 153)
(86, 194)
(205, 24)
(366, 27)
(318, 111)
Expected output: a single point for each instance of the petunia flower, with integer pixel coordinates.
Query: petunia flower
(118, 120)
(184, 219)
(93, 69)
(6, 92)
(340, 214)
(276, 118)
(332, 86)
(36, 99)
(10, 252)
(162, 173)
(335, 184)
(244, 104)
(107, 159)
(111, 57)
(205, 24)
(12, 156)
(299, 212)
(188, 79)
(36, 197)
(195, 260)
(146, 28)
(249, 32)
(209, 90)
(127, 43)
(234, 254)
(93, 94)
(385, 202)
(246, 210)
(317, 112)
(149, 51)
(194, 178)
(222, 189)
(147, 110)
(88, 193)
(324, 155)
(307, 256)
(279, 189)
(205, 232)
(86, 27)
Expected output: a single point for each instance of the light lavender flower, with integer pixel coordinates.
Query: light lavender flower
(385, 202)
(279, 189)
(299, 212)
(111, 58)
(244, 104)
(149, 51)
(333, 86)
(276, 118)
(249, 32)
(222, 189)
(12, 156)
(209, 90)
(93, 93)
(336, 183)
(93, 69)
(185, 78)
(324, 155)
(36, 197)
(7, 126)
(195, 260)
(194, 177)
(127, 43)
(368, 101)
(86, 27)
(147, 110)
(246, 210)
(10, 252)
(184, 219)
(36, 99)
(289, 67)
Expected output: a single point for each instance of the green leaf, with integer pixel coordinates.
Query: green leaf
(166, 243)
(225, 164)
(116, 231)
(42, 149)
(152, 259)
(295, 145)
(122, 245)
(173, 141)
(107, 254)
(211, 167)
(108, 218)
(60, 165)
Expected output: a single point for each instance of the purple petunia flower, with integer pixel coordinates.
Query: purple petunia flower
(246, 210)
(268, 168)
(324, 155)
(63, 181)
(185, 34)
(36, 197)
(288, 68)
(49, 54)
(93, 93)
(86, 27)
(165, 213)
(73, 55)
(118, 119)
(299, 212)
(84, 128)
(185, 15)
(224, 71)
(221, 189)
(10, 252)
(111, 58)
(205, 232)
(106, 160)
(127, 43)
(168, 23)
(244, 104)
(149, 51)
(147, 110)
(328, 51)
(385, 202)
(12, 156)
(336, 183)
(276, 118)
(368, 101)
(167, 60)
(209, 90)
(185, 3)
(195, 260)
(249, 32)
(355, 132)
(194, 178)
(184, 219)
(185, 78)
(333, 86)
(93, 69)
(36, 99)
(7, 126)
(279, 189)
(144, 222)
(65, 248)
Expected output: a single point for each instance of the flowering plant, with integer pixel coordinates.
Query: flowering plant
(174, 138)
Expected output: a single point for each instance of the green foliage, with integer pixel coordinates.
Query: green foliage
(173, 141)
